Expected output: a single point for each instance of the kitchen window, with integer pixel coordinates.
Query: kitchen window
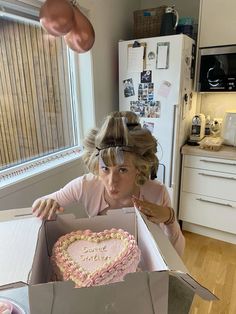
(38, 98)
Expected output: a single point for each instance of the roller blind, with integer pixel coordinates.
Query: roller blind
(37, 94)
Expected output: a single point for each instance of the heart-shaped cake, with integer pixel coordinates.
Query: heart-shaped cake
(95, 258)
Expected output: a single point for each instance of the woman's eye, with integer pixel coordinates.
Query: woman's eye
(123, 170)
(105, 169)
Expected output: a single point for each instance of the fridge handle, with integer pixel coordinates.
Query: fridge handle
(172, 145)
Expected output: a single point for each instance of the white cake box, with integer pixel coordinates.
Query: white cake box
(163, 286)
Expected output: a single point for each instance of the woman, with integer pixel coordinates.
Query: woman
(122, 161)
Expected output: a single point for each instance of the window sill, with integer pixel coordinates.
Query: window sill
(27, 170)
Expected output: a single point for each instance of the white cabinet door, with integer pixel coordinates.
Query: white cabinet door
(208, 212)
(211, 164)
(210, 183)
(217, 22)
(208, 193)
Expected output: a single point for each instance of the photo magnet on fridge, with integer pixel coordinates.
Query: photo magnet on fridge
(148, 125)
(150, 60)
(146, 76)
(148, 109)
(146, 91)
(128, 87)
(164, 89)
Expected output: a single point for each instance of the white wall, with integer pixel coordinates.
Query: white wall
(215, 104)
(112, 21)
(22, 194)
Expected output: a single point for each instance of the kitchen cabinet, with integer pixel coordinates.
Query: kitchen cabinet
(208, 192)
(217, 23)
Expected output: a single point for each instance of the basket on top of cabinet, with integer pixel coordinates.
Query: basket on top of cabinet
(147, 22)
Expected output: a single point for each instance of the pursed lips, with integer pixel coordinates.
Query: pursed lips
(113, 191)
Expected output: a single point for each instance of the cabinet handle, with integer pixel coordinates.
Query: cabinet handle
(202, 200)
(172, 147)
(218, 162)
(215, 176)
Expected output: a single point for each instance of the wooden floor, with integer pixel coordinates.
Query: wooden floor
(213, 264)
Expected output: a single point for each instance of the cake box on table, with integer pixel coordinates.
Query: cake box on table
(163, 286)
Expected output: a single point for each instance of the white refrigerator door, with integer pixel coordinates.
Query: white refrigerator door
(185, 111)
(169, 88)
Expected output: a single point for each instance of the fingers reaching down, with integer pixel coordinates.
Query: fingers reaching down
(46, 208)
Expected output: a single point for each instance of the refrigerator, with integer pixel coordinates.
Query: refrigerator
(156, 81)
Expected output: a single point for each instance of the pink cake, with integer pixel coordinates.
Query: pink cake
(90, 259)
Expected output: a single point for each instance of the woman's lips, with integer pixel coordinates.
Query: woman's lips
(113, 192)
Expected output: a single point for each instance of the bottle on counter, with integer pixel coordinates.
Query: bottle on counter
(208, 126)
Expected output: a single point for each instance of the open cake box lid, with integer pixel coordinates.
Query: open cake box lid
(19, 232)
(21, 236)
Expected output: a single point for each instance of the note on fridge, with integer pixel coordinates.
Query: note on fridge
(162, 55)
(135, 59)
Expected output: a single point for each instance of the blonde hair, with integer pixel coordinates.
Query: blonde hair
(121, 132)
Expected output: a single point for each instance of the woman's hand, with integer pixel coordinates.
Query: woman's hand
(155, 213)
(46, 208)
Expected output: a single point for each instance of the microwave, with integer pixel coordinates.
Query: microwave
(217, 69)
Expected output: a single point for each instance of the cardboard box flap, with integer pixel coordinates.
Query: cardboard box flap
(12, 214)
(151, 258)
(180, 296)
(135, 295)
(159, 286)
(170, 257)
(195, 286)
(17, 236)
(41, 269)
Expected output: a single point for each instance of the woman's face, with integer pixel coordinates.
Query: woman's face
(119, 180)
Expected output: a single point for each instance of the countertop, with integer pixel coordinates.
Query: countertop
(226, 152)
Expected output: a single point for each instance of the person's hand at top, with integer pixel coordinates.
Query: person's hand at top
(155, 213)
(46, 208)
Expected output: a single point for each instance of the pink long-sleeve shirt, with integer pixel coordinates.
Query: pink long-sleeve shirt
(88, 190)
